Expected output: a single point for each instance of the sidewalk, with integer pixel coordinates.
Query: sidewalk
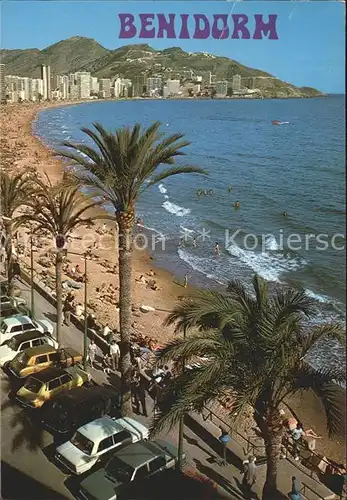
(201, 436)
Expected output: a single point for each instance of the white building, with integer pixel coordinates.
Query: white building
(2, 83)
(236, 83)
(154, 85)
(173, 87)
(222, 88)
(117, 88)
(83, 83)
(46, 77)
(94, 85)
(105, 88)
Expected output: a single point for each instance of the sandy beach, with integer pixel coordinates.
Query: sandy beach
(21, 150)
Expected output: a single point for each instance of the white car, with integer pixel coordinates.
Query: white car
(94, 441)
(16, 301)
(9, 327)
(18, 343)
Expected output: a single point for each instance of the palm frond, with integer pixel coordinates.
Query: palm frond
(326, 384)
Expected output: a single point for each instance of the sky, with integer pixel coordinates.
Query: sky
(310, 50)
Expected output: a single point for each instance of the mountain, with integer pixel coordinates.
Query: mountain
(85, 54)
(64, 57)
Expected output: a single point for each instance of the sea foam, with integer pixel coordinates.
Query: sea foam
(175, 209)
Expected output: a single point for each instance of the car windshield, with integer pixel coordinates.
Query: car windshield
(22, 358)
(3, 327)
(12, 343)
(33, 385)
(82, 443)
(119, 470)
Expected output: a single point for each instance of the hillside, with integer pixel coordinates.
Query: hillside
(85, 54)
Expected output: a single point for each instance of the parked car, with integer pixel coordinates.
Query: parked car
(48, 383)
(36, 359)
(70, 410)
(19, 324)
(95, 441)
(136, 462)
(18, 343)
(9, 310)
(7, 299)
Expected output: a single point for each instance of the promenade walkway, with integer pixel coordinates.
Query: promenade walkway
(201, 434)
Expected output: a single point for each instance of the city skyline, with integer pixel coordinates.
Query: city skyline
(305, 54)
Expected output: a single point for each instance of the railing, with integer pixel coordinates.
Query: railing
(250, 447)
(306, 490)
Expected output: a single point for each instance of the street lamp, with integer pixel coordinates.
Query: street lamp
(85, 336)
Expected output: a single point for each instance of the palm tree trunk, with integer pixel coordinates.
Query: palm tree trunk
(125, 227)
(273, 441)
(8, 248)
(59, 295)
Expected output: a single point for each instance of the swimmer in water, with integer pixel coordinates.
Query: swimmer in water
(216, 249)
(230, 189)
(237, 204)
(285, 214)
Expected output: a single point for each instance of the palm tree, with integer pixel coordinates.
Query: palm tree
(120, 167)
(15, 190)
(57, 209)
(254, 345)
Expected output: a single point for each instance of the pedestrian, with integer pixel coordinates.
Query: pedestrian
(216, 249)
(16, 270)
(185, 282)
(106, 363)
(295, 493)
(297, 435)
(141, 391)
(115, 355)
(224, 438)
(91, 353)
(106, 330)
(194, 243)
(135, 381)
(67, 308)
(249, 475)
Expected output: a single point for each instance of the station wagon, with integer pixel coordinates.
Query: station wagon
(95, 440)
(23, 341)
(36, 359)
(48, 383)
(20, 324)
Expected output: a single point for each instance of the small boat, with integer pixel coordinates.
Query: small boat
(276, 122)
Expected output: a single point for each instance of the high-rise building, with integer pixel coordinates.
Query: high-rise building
(83, 83)
(37, 92)
(94, 85)
(173, 87)
(154, 85)
(62, 85)
(117, 88)
(236, 83)
(105, 88)
(2, 84)
(139, 85)
(46, 77)
(74, 92)
(222, 88)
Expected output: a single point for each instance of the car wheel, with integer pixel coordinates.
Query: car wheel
(5, 367)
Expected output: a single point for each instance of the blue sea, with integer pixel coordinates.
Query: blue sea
(296, 167)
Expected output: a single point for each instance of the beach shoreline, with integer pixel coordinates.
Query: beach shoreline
(28, 150)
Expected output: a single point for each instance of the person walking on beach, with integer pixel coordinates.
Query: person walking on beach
(115, 355)
(249, 475)
(185, 281)
(217, 249)
(92, 352)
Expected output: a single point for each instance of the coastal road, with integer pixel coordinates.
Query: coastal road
(28, 474)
